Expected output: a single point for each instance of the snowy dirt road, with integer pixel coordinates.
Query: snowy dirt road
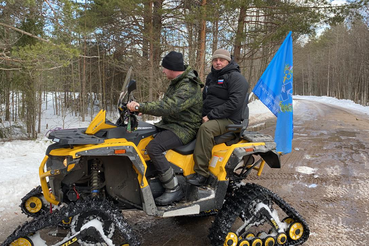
(325, 178)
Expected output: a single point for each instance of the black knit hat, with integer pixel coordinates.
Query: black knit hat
(173, 61)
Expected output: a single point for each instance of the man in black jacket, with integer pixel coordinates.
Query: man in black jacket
(223, 98)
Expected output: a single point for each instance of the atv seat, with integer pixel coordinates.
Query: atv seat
(231, 137)
(186, 149)
(235, 131)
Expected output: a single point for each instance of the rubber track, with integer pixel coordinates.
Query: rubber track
(34, 192)
(53, 219)
(241, 199)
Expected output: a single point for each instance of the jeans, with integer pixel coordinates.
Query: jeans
(163, 141)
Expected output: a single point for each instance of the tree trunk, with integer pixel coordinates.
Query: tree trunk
(202, 42)
(83, 87)
(190, 37)
(104, 82)
(215, 32)
(157, 27)
(7, 95)
(91, 92)
(39, 104)
(147, 29)
(328, 72)
(239, 34)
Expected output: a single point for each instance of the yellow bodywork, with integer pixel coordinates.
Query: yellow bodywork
(45, 188)
(185, 162)
(221, 154)
(74, 154)
(99, 123)
(142, 147)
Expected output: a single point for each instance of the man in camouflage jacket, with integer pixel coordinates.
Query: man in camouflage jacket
(181, 109)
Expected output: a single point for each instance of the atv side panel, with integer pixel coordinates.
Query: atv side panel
(121, 180)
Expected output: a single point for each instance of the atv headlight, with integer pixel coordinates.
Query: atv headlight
(70, 163)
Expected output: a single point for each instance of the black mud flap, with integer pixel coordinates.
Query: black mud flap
(272, 159)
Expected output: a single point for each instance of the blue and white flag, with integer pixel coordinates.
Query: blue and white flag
(274, 89)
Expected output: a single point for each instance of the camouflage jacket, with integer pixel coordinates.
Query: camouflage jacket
(180, 107)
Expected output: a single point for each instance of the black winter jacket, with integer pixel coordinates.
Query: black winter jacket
(224, 93)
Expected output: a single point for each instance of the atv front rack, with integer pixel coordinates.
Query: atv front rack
(74, 137)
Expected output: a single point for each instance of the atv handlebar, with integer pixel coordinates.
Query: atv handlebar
(126, 117)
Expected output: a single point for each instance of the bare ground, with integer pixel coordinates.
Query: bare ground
(325, 177)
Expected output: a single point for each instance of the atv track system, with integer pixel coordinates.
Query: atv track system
(252, 205)
(33, 204)
(84, 232)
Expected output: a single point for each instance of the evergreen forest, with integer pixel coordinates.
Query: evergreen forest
(80, 51)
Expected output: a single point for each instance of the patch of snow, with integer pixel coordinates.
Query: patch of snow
(305, 170)
(344, 103)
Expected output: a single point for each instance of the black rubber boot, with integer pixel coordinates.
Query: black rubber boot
(198, 180)
(173, 192)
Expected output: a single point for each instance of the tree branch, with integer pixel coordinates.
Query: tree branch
(23, 32)
(49, 69)
(10, 69)
(52, 9)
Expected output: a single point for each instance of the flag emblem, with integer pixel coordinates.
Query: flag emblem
(220, 81)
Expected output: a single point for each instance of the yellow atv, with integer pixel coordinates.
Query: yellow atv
(89, 176)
